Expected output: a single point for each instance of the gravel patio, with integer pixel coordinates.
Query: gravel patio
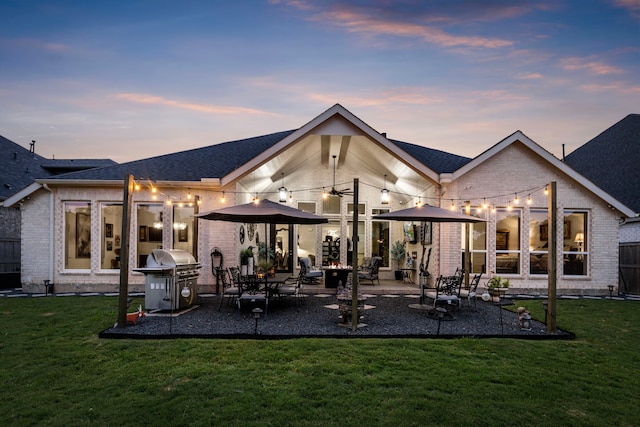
(316, 315)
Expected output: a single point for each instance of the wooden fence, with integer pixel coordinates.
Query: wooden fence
(629, 281)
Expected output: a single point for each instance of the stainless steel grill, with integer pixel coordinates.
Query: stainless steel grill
(171, 279)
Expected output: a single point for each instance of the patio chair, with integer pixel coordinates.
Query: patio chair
(309, 275)
(371, 272)
(291, 288)
(447, 291)
(230, 289)
(471, 292)
(250, 290)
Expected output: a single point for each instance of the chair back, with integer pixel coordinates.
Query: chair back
(449, 285)
(376, 262)
(473, 286)
(250, 284)
(305, 265)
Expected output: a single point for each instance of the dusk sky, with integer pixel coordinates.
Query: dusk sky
(133, 79)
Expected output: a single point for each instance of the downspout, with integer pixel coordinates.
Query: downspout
(46, 187)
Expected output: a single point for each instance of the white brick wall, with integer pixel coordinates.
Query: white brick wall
(513, 170)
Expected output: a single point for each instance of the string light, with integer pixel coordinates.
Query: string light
(453, 206)
(516, 200)
(222, 199)
(529, 201)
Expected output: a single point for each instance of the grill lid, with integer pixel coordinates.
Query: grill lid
(169, 258)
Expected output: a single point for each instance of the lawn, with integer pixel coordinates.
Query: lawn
(56, 371)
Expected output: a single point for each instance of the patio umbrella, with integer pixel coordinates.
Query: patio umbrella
(428, 213)
(266, 212)
(432, 214)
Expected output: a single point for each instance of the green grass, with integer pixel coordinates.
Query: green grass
(54, 370)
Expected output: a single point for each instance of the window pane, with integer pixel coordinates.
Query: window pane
(538, 241)
(111, 240)
(183, 227)
(331, 205)
(150, 225)
(575, 254)
(508, 241)
(77, 219)
(478, 242)
(361, 209)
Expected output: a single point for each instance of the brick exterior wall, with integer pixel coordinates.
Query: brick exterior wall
(513, 169)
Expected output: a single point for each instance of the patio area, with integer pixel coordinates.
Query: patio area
(387, 314)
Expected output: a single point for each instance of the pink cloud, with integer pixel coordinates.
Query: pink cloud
(359, 23)
(594, 67)
(140, 98)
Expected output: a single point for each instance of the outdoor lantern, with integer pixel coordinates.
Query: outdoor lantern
(384, 193)
(256, 315)
(185, 292)
(282, 191)
(610, 291)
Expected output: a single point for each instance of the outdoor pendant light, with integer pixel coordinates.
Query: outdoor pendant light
(384, 193)
(282, 191)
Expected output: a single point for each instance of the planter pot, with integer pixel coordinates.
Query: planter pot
(250, 265)
(398, 274)
(243, 270)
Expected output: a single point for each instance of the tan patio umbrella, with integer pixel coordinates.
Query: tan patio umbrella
(428, 213)
(265, 211)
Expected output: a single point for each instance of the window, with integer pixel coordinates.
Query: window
(331, 205)
(150, 225)
(538, 241)
(111, 214)
(380, 237)
(183, 227)
(508, 241)
(477, 244)
(77, 241)
(575, 253)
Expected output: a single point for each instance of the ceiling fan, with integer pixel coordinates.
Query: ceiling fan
(333, 191)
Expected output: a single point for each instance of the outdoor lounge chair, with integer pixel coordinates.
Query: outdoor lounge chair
(371, 272)
(308, 274)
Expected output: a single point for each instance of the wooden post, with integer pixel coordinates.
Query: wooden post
(467, 246)
(124, 252)
(553, 257)
(354, 260)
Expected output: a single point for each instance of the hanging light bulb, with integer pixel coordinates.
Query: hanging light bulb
(168, 202)
(509, 207)
(255, 199)
(529, 201)
(419, 203)
(282, 191)
(453, 205)
(324, 193)
(516, 200)
(546, 191)
(384, 193)
(222, 199)
(290, 197)
(137, 186)
(484, 204)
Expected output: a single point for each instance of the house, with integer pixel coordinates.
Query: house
(611, 160)
(78, 246)
(21, 167)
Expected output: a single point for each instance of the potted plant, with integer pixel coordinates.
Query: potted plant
(246, 261)
(496, 285)
(398, 254)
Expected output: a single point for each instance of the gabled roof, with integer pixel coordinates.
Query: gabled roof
(439, 161)
(612, 161)
(213, 161)
(230, 158)
(20, 167)
(520, 137)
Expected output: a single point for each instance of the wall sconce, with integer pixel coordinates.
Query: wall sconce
(384, 193)
(610, 291)
(282, 191)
